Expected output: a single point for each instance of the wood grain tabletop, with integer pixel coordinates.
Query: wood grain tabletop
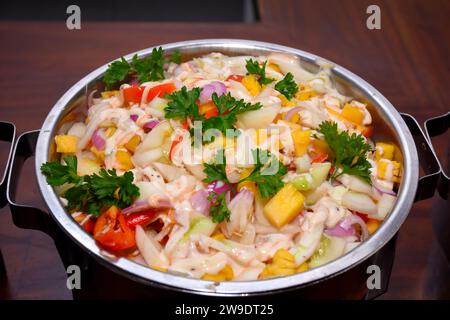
(408, 60)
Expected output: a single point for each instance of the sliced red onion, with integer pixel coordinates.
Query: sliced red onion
(199, 201)
(342, 229)
(381, 189)
(291, 113)
(218, 187)
(355, 219)
(216, 86)
(137, 206)
(151, 124)
(97, 140)
(134, 117)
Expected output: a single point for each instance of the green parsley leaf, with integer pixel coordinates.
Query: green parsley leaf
(183, 104)
(94, 192)
(215, 171)
(150, 68)
(253, 67)
(287, 86)
(349, 151)
(219, 210)
(117, 71)
(175, 57)
(267, 173)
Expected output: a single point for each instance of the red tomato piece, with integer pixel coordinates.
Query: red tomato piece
(160, 91)
(139, 218)
(133, 94)
(112, 231)
(235, 77)
(321, 157)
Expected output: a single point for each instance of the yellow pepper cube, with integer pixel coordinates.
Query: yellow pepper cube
(373, 225)
(285, 102)
(301, 141)
(123, 158)
(226, 274)
(353, 114)
(66, 143)
(109, 94)
(389, 170)
(305, 92)
(284, 206)
(132, 144)
(283, 264)
(384, 151)
(110, 131)
(274, 67)
(251, 84)
(99, 154)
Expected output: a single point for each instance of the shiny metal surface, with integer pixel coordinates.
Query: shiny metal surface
(345, 80)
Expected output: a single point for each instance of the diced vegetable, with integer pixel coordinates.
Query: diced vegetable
(303, 182)
(305, 93)
(283, 264)
(156, 137)
(87, 166)
(132, 94)
(319, 173)
(353, 114)
(359, 202)
(66, 143)
(301, 141)
(251, 84)
(302, 164)
(337, 193)
(132, 144)
(258, 119)
(389, 170)
(123, 158)
(373, 225)
(112, 231)
(384, 151)
(355, 184)
(284, 206)
(150, 249)
(226, 274)
(385, 205)
(140, 218)
(200, 225)
(329, 249)
(160, 91)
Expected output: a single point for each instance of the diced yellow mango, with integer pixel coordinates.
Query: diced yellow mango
(320, 146)
(301, 141)
(274, 67)
(384, 151)
(160, 268)
(251, 84)
(261, 136)
(373, 225)
(389, 170)
(302, 268)
(249, 185)
(226, 274)
(284, 206)
(353, 114)
(123, 158)
(66, 143)
(305, 92)
(109, 94)
(132, 144)
(285, 102)
(283, 264)
(99, 154)
(218, 236)
(110, 131)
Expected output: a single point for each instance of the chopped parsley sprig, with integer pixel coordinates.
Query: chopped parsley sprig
(287, 86)
(253, 67)
(219, 210)
(91, 193)
(349, 151)
(145, 69)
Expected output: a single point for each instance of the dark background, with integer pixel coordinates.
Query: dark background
(407, 60)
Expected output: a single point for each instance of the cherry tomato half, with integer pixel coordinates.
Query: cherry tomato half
(112, 231)
(139, 218)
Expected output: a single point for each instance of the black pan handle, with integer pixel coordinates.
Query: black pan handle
(434, 127)
(7, 133)
(427, 159)
(25, 216)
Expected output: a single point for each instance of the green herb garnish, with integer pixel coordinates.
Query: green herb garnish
(287, 86)
(91, 193)
(253, 67)
(219, 210)
(349, 151)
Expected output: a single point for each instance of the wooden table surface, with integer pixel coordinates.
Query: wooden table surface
(407, 60)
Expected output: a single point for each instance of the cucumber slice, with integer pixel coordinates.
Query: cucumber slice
(199, 225)
(319, 173)
(303, 182)
(329, 249)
